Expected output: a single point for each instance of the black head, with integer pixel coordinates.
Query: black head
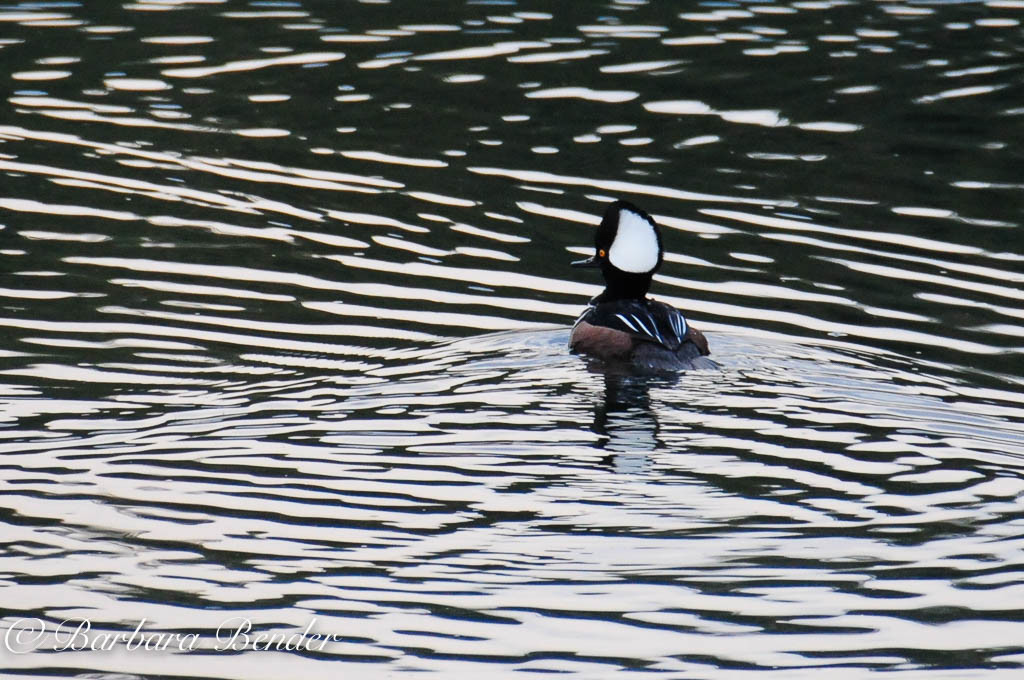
(628, 250)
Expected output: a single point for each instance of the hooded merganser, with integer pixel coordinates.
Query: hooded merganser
(621, 325)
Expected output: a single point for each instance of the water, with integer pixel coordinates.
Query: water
(285, 303)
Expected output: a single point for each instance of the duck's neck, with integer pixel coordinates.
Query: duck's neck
(625, 286)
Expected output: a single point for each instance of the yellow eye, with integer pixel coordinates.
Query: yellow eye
(600, 253)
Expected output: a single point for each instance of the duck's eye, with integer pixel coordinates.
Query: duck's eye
(601, 253)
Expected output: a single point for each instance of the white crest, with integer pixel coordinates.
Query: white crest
(635, 248)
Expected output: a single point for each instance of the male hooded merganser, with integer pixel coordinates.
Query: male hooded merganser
(622, 325)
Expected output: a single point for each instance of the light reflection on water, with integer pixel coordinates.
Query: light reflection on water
(286, 336)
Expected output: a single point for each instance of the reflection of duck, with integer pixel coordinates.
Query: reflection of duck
(626, 420)
(621, 325)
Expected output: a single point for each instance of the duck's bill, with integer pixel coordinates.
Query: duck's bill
(589, 262)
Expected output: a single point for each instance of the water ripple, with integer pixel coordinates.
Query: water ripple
(287, 337)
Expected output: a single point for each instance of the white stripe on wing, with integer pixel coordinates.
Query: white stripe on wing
(624, 320)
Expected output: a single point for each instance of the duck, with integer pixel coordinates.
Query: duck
(622, 326)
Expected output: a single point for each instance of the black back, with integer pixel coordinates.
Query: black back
(646, 320)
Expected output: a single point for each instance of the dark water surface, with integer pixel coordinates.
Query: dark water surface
(285, 301)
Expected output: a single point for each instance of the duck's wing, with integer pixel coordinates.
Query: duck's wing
(644, 320)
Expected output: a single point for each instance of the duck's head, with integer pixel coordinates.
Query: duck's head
(628, 250)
